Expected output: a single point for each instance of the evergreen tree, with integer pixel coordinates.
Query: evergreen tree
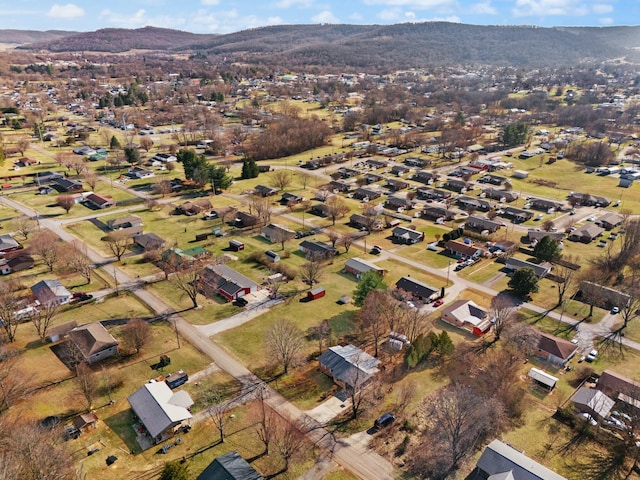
(249, 169)
(369, 281)
(523, 282)
(547, 249)
(175, 471)
(114, 144)
(132, 155)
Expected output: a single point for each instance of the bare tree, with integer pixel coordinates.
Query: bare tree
(9, 301)
(502, 311)
(311, 271)
(76, 256)
(261, 208)
(456, 426)
(13, 382)
(24, 225)
(66, 202)
(78, 164)
(216, 408)
(146, 143)
(87, 382)
(90, 178)
(320, 332)
(333, 237)
(372, 318)
(565, 277)
(414, 323)
(522, 337)
(226, 213)
(284, 340)
(267, 422)
(282, 236)
(281, 179)
(23, 145)
(346, 240)
(288, 441)
(118, 243)
(336, 208)
(163, 187)
(137, 333)
(304, 178)
(45, 245)
(187, 280)
(42, 317)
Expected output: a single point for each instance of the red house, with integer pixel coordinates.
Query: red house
(316, 293)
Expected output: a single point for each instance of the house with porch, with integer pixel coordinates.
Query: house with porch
(467, 315)
(480, 224)
(357, 266)
(51, 292)
(554, 349)
(417, 290)
(99, 201)
(224, 280)
(462, 250)
(319, 250)
(406, 235)
(93, 341)
(348, 366)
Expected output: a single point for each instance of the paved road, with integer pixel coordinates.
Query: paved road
(369, 466)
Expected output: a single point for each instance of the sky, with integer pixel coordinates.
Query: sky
(226, 16)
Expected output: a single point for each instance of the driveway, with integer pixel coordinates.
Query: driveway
(328, 410)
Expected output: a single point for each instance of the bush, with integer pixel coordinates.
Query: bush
(285, 270)
(402, 448)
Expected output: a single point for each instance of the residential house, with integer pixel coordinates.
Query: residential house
(516, 215)
(619, 387)
(481, 224)
(458, 185)
(160, 410)
(16, 263)
(149, 241)
(602, 296)
(275, 233)
(406, 235)
(93, 342)
(338, 186)
(177, 257)
(370, 178)
(586, 233)
(46, 178)
(125, 222)
(437, 214)
(367, 194)
(317, 250)
(474, 203)
(348, 366)
(140, 172)
(8, 244)
(554, 349)
(540, 269)
(99, 201)
(345, 172)
(537, 235)
(64, 184)
(500, 195)
(417, 289)
(85, 422)
(462, 250)
(244, 219)
(357, 266)
(400, 170)
(610, 220)
(395, 203)
(588, 200)
(224, 280)
(492, 179)
(467, 315)
(396, 185)
(291, 198)
(230, 466)
(265, 191)
(426, 177)
(376, 164)
(164, 158)
(545, 205)
(51, 292)
(366, 222)
(194, 207)
(26, 162)
(500, 461)
(417, 162)
(320, 209)
(592, 401)
(426, 193)
(60, 331)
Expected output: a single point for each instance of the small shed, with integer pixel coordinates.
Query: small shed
(542, 378)
(236, 245)
(315, 293)
(272, 256)
(174, 380)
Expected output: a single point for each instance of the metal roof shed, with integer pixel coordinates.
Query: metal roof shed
(543, 378)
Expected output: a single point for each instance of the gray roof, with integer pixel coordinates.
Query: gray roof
(48, 291)
(361, 265)
(539, 269)
(349, 364)
(159, 408)
(499, 459)
(231, 277)
(594, 400)
(404, 232)
(7, 242)
(230, 466)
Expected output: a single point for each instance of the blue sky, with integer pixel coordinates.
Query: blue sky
(225, 16)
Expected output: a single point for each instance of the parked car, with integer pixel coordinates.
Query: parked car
(585, 416)
(384, 420)
(615, 310)
(438, 302)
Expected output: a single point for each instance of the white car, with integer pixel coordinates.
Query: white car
(591, 218)
(615, 310)
(588, 418)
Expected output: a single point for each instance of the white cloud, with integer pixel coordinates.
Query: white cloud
(398, 15)
(229, 21)
(325, 16)
(65, 11)
(417, 4)
(210, 2)
(605, 21)
(601, 8)
(294, 3)
(483, 8)
(546, 8)
(140, 19)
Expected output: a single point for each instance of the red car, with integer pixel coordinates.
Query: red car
(438, 302)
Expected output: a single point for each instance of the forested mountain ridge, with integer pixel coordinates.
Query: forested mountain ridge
(359, 46)
(20, 37)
